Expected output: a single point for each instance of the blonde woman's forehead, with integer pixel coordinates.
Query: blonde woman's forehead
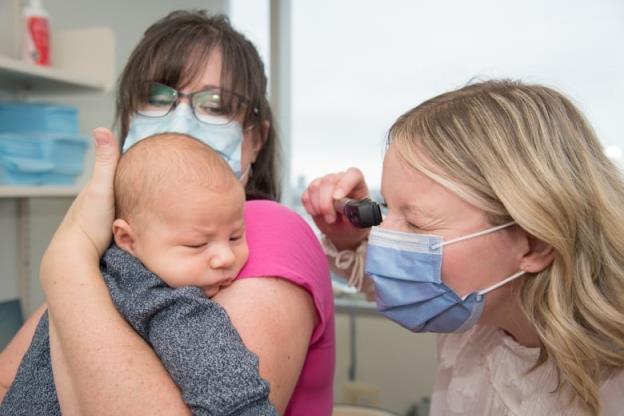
(404, 184)
(420, 197)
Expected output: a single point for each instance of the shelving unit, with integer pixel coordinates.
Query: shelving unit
(38, 191)
(83, 62)
(18, 75)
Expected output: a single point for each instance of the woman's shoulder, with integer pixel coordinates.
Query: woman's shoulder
(269, 222)
(272, 211)
(268, 207)
(480, 344)
(283, 245)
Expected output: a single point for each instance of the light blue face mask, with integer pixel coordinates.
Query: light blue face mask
(406, 270)
(225, 139)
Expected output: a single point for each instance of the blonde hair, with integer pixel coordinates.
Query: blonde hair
(525, 153)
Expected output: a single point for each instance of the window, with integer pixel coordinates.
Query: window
(357, 65)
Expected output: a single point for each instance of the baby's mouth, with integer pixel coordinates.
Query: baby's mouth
(212, 290)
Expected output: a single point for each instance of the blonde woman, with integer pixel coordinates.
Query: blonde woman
(504, 232)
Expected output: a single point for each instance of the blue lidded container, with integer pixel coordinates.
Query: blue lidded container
(40, 144)
(38, 117)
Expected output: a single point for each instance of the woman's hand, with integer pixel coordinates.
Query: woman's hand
(318, 201)
(86, 229)
(97, 357)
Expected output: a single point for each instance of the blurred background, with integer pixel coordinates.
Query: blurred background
(341, 72)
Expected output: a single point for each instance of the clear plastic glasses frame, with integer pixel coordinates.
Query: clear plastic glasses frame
(211, 105)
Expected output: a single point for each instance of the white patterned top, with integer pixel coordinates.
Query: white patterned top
(484, 372)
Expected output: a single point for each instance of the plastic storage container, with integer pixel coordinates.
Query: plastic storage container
(38, 117)
(40, 159)
(40, 145)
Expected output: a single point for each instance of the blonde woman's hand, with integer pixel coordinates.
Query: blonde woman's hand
(318, 200)
(85, 232)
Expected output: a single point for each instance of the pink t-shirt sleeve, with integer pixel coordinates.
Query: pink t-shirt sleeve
(282, 244)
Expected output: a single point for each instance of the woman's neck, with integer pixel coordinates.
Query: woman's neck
(517, 326)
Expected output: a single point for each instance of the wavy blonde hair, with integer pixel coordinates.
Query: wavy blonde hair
(524, 152)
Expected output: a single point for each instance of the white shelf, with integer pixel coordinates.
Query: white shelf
(18, 75)
(38, 191)
(82, 60)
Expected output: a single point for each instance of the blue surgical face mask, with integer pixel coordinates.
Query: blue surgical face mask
(406, 269)
(225, 139)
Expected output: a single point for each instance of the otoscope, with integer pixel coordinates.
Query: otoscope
(363, 213)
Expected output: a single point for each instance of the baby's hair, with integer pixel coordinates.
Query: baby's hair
(165, 163)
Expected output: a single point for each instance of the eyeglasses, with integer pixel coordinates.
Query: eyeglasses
(211, 105)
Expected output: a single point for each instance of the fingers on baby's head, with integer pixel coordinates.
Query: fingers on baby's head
(165, 164)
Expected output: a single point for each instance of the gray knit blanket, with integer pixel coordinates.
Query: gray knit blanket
(192, 336)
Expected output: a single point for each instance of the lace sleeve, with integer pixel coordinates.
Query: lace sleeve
(347, 263)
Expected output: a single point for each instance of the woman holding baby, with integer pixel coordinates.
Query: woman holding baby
(192, 74)
(503, 234)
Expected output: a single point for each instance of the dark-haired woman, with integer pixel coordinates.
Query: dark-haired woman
(193, 74)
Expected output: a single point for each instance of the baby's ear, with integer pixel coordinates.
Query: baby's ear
(124, 235)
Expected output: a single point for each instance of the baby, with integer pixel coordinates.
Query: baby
(179, 237)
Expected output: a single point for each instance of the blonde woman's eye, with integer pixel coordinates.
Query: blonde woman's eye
(235, 238)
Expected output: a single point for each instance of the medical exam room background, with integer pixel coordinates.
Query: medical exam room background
(347, 69)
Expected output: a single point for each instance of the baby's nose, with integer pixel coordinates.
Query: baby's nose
(223, 258)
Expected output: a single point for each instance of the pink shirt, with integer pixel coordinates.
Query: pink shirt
(282, 244)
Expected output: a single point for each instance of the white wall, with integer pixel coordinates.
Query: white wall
(8, 250)
(399, 363)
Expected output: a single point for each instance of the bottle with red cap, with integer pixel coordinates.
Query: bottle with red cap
(36, 34)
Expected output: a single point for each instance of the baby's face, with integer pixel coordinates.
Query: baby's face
(197, 239)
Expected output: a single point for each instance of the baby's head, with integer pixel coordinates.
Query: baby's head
(179, 210)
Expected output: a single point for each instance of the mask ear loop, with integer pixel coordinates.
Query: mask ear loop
(246, 174)
(469, 236)
(501, 283)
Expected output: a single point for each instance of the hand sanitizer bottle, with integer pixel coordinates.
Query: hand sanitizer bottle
(36, 34)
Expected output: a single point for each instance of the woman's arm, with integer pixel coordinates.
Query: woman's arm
(318, 200)
(108, 367)
(113, 371)
(12, 355)
(101, 365)
(275, 319)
